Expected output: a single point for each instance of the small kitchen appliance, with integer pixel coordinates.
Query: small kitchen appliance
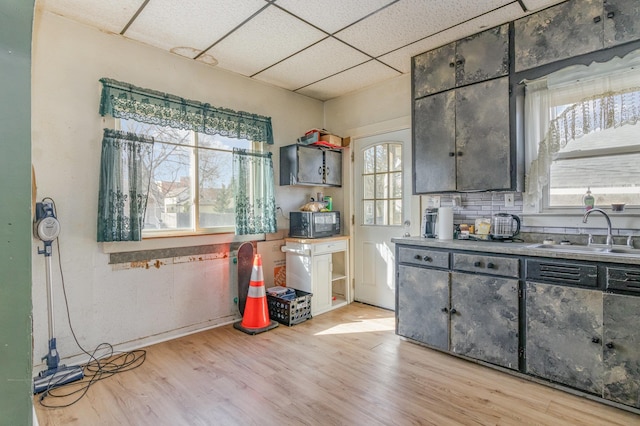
(504, 226)
(429, 223)
(314, 224)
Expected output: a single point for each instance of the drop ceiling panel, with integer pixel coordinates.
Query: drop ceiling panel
(401, 59)
(353, 79)
(268, 38)
(323, 59)
(532, 5)
(196, 24)
(105, 15)
(332, 15)
(409, 20)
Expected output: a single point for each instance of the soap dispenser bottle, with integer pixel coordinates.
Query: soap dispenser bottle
(588, 200)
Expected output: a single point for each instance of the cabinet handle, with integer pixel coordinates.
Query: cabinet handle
(427, 259)
(320, 170)
(477, 264)
(597, 19)
(452, 64)
(459, 153)
(452, 154)
(327, 170)
(490, 265)
(609, 345)
(595, 340)
(445, 310)
(611, 14)
(459, 62)
(453, 311)
(417, 257)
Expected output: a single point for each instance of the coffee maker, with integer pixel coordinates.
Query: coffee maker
(429, 223)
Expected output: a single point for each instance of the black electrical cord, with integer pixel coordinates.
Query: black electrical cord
(96, 369)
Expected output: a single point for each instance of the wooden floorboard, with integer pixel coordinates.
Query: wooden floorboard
(345, 367)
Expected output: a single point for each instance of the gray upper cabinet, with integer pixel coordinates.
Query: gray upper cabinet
(310, 165)
(574, 28)
(470, 60)
(461, 139)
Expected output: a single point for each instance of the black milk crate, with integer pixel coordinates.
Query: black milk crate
(290, 312)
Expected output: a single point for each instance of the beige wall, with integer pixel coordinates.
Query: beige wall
(133, 305)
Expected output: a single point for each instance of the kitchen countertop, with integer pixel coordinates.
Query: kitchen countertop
(316, 240)
(515, 248)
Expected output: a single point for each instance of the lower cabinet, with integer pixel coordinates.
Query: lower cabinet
(564, 335)
(622, 349)
(484, 318)
(423, 305)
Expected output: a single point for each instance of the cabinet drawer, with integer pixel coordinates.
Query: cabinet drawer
(494, 265)
(562, 272)
(623, 279)
(329, 247)
(415, 256)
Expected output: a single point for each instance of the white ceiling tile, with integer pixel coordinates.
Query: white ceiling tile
(325, 58)
(197, 24)
(105, 15)
(353, 79)
(401, 59)
(332, 15)
(268, 38)
(408, 20)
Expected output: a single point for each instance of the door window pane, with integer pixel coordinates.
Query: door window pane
(382, 185)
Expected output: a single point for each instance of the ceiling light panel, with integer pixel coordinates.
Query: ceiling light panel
(268, 38)
(354, 79)
(168, 24)
(321, 60)
(409, 20)
(401, 59)
(332, 15)
(107, 16)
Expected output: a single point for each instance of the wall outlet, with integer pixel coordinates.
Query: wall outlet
(508, 200)
(434, 201)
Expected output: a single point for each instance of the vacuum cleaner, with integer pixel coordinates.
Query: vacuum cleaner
(47, 228)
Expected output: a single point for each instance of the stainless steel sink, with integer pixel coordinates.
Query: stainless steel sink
(590, 249)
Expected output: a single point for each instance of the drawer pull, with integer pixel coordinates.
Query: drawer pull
(427, 259)
(597, 19)
(477, 264)
(490, 265)
(417, 257)
(453, 311)
(609, 345)
(610, 15)
(445, 310)
(595, 340)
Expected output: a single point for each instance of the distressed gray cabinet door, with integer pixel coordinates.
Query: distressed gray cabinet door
(434, 71)
(422, 305)
(310, 165)
(564, 335)
(482, 56)
(434, 139)
(622, 349)
(621, 21)
(559, 32)
(484, 318)
(483, 148)
(333, 168)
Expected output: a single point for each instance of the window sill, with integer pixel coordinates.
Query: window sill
(165, 242)
(572, 218)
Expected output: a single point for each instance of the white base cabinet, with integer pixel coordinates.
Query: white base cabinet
(320, 267)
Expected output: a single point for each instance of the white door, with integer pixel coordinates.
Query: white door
(382, 197)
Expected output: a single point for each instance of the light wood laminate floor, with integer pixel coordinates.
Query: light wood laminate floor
(345, 367)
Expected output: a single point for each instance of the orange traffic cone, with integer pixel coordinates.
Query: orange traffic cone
(256, 312)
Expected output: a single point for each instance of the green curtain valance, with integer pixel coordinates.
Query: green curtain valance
(123, 100)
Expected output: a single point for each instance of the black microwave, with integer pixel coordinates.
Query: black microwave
(314, 224)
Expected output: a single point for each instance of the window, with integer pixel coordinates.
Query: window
(581, 135)
(191, 180)
(382, 185)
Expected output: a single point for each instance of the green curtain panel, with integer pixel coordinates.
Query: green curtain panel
(125, 175)
(255, 192)
(123, 100)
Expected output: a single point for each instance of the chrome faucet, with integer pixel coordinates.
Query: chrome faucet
(606, 216)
